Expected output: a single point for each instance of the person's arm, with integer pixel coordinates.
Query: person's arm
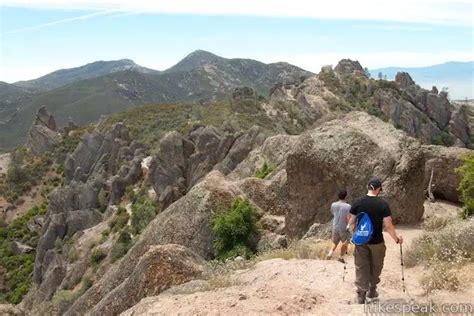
(390, 229)
(351, 222)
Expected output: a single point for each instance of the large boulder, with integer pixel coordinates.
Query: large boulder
(43, 135)
(160, 268)
(443, 161)
(346, 154)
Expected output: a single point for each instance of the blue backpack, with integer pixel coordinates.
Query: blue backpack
(364, 229)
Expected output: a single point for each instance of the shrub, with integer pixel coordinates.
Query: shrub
(453, 243)
(97, 255)
(233, 230)
(265, 171)
(120, 220)
(23, 172)
(143, 212)
(435, 223)
(121, 246)
(103, 199)
(444, 138)
(63, 299)
(466, 186)
(441, 277)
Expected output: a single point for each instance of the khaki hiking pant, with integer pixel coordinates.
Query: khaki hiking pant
(368, 260)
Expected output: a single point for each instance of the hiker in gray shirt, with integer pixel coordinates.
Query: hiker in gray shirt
(340, 210)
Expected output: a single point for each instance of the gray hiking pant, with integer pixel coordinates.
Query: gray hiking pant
(368, 260)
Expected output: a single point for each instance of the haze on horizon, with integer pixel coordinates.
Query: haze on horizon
(41, 36)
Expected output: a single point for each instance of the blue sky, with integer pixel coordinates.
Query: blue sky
(38, 37)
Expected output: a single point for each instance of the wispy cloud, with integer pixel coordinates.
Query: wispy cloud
(62, 21)
(444, 12)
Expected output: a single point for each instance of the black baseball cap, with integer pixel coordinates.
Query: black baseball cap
(374, 184)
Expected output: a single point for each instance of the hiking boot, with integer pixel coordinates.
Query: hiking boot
(361, 297)
(373, 293)
(341, 260)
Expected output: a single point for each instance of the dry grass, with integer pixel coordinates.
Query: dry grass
(441, 277)
(446, 248)
(452, 244)
(435, 223)
(302, 249)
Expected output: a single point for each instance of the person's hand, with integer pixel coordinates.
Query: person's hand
(400, 240)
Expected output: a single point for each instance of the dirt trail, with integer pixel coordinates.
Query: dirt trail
(301, 286)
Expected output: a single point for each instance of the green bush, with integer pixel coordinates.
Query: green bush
(120, 220)
(97, 255)
(233, 230)
(444, 138)
(23, 172)
(144, 211)
(19, 267)
(466, 186)
(264, 172)
(121, 246)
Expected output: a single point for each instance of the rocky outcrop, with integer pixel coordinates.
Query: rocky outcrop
(180, 162)
(70, 210)
(348, 67)
(101, 154)
(159, 268)
(423, 114)
(43, 135)
(443, 161)
(406, 116)
(403, 80)
(185, 222)
(459, 124)
(127, 175)
(347, 154)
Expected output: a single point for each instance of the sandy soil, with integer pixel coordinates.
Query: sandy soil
(280, 287)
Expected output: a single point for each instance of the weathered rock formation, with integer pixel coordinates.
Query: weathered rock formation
(180, 162)
(158, 269)
(443, 161)
(70, 210)
(346, 154)
(185, 222)
(43, 135)
(348, 67)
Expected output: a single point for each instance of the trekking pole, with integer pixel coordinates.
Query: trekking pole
(403, 272)
(345, 271)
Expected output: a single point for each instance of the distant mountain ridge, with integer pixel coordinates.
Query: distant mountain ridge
(85, 93)
(96, 69)
(458, 77)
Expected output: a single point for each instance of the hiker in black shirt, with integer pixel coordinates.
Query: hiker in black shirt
(369, 258)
